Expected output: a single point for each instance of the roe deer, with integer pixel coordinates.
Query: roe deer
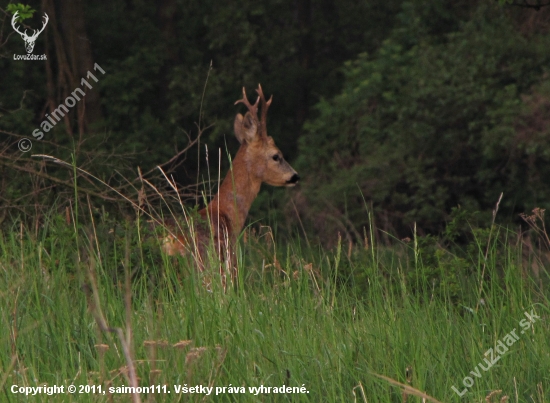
(257, 161)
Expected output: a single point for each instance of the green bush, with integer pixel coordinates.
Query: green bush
(430, 122)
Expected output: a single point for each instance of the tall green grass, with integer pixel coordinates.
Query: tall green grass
(348, 324)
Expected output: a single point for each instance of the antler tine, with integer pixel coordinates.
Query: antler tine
(46, 18)
(252, 108)
(265, 107)
(13, 24)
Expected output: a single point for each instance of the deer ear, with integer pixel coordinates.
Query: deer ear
(245, 128)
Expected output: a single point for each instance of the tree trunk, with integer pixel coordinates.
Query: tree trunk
(74, 59)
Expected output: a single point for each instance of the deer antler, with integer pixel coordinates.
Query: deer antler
(265, 107)
(16, 28)
(45, 16)
(36, 32)
(253, 109)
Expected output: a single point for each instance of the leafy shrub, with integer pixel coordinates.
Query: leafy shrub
(430, 122)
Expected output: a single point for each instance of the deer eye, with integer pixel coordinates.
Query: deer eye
(276, 157)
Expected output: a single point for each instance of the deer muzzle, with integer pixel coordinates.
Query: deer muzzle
(293, 180)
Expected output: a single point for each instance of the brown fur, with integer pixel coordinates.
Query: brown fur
(253, 165)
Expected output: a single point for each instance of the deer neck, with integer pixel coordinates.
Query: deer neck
(236, 194)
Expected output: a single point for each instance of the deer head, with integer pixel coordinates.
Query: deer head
(264, 160)
(29, 40)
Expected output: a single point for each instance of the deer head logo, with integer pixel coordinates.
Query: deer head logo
(29, 40)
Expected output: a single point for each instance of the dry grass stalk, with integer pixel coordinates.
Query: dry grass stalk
(495, 211)
(95, 308)
(495, 394)
(536, 223)
(182, 344)
(408, 389)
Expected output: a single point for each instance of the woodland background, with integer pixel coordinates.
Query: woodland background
(419, 110)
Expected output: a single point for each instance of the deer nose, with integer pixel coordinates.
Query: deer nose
(295, 178)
